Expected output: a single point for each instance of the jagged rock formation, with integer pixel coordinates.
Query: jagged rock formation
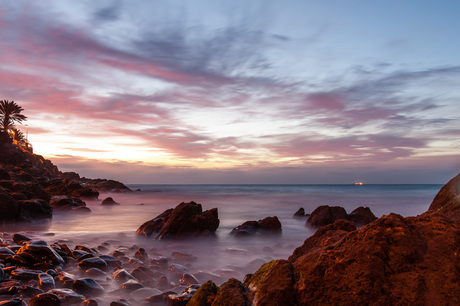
(187, 219)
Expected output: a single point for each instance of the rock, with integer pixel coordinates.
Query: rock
(324, 215)
(111, 261)
(46, 282)
(109, 201)
(131, 285)
(67, 203)
(93, 262)
(361, 216)
(12, 302)
(204, 295)
(143, 293)
(25, 274)
(87, 287)
(45, 299)
(267, 227)
(39, 251)
(188, 279)
(447, 201)
(141, 254)
(300, 213)
(273, 284)
(233, 290)
(68, 296)
(90, 302)
(183, 256)
(121, 276)
(186, 220)
(85, 192)
(20, 239)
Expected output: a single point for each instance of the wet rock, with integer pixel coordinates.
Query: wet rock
(188, 279)
(186, 220)
(111, 261)
(131, 285)
(162, 282)
(177, 270)
(267, 226)
(87, 287)
(85, 192)
(204, 295)
(13, 302)
(143, 293)
(26, 291)
(141, 254)
(90, 302)
(109, 201)
(120, 302)
(361, 216)
(141, 275)
(93, 262)
(121, 276)
(25, 274)
(95, 273)
(20, 239)
(68, 296)
(46, 282)
(39, 251)
(45, 299)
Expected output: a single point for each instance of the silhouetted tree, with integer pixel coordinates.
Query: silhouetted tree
(10, 112)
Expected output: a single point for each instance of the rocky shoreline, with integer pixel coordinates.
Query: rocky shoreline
(390, 261)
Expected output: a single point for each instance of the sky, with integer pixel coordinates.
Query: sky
(238, 92)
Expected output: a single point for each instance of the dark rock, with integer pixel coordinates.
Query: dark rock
(68, 296)
(361, 216)
(12, 302)
(121, 276)
(20, 239)
(111, 261)
(25, 274)
(46, 282)
(300, 213)
(265, 227)
(447, 201)
(109, 201)
(67, 203)
(87, 287)
(141, 254)
(39, 251)
(188, 279)
(90, 302)
(324, 215)
(85, 192)
(131, 285)
(186, 220)
(182, 256)
(141, 275)
(143, 293)
(93, 262)
(45, 299)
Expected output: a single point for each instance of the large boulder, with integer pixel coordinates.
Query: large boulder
(361, 216)
(447, 201)
(187, 219)
(324, 215)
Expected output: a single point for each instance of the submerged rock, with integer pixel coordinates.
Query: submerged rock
(186, 220)
(109, 201)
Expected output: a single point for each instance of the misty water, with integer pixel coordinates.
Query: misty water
(236, 204)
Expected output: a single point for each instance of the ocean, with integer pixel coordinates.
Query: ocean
(224, 256)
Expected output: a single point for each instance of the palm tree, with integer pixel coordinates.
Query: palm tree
(10, 112)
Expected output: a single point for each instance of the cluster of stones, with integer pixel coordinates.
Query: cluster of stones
(324, 215)
(31, 187)
(34, 272)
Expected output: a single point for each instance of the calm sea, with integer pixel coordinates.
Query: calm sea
(236, 204)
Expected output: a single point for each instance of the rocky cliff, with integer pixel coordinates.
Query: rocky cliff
(28, 183)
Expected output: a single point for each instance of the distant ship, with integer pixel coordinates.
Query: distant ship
(358, 183)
